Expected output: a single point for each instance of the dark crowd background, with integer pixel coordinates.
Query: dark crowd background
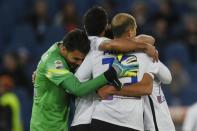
(29, 27)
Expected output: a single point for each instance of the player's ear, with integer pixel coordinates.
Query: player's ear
(63, 49)
(129, 33)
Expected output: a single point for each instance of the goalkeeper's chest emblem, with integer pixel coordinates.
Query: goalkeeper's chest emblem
(58, 64)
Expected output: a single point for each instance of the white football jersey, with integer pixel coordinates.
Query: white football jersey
(85, 105)
(121, 110)
(190, 122)
(162, 114)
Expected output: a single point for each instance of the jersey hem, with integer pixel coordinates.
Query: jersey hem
(119, 124)
(80, 122)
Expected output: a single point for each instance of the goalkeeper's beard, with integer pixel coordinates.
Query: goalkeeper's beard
(73, 67)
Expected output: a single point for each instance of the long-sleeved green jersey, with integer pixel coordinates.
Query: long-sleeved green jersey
(52, 84)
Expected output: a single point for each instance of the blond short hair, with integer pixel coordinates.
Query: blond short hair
(121, 23)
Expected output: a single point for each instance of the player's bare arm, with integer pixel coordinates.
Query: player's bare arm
(143, 38)
(106, 91)
(144, 87)
(142, 43)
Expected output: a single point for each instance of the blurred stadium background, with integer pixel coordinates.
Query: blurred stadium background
(29, 27)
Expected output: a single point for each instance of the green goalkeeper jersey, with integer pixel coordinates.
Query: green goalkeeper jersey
(51, 97)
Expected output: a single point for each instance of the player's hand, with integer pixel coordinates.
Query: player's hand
(143, 38)
(106, 91)
(33, 77)
(152, 52)
(126, 68)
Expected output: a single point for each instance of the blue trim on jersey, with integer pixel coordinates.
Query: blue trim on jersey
(134, 79)
(108, 61)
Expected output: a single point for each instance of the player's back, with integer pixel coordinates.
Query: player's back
(121, 110)
(85, 105)
(162, 114)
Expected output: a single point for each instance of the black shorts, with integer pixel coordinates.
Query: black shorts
(98, 125)
(83, 127)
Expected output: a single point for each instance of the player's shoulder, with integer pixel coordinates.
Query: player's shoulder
(52, 54)
(97, 38)
(96, 41)
(52, 50)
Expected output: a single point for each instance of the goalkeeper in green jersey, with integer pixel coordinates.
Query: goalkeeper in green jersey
(55, 81)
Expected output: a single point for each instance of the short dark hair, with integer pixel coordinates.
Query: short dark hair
(121, 23)
(77, 40)
(95, 21)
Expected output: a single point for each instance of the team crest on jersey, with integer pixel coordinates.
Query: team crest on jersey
(58, 64)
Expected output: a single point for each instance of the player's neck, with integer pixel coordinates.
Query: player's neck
(125, 36)
(102, 34)
(122, 37)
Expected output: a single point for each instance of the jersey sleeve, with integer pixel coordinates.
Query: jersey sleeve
(164, 74)
(159, 70)
(99, 41)
(73, 86)
(56, 70)
(84, 72)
